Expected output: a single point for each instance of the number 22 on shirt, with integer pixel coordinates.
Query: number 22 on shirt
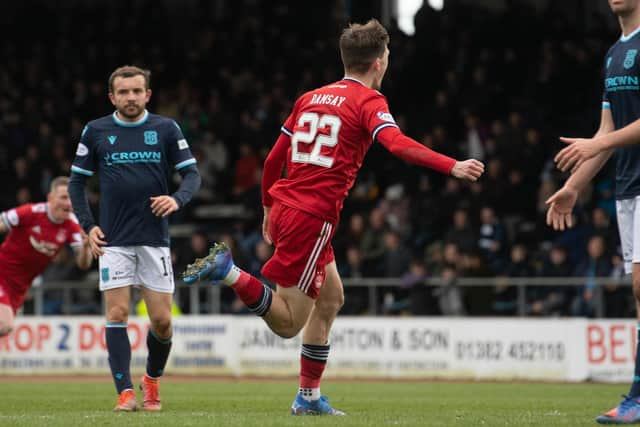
(315, 121)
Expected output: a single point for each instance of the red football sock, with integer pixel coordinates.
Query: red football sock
(311, 372)
(248, 288)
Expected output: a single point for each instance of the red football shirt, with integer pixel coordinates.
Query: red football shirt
(331, 129)
(33, 240)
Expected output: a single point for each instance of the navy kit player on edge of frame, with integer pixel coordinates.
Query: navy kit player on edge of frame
(133, 152)
(619, 133)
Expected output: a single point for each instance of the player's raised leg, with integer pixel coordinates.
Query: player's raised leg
(158, 345)
(316, 347)
(285, 311)
(118, 346)
(301, 253)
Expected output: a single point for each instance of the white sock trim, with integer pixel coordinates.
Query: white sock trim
(232, 276)
(309, 394)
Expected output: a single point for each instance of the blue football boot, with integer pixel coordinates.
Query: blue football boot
(321, 406)
(627, 412)
(214, 266)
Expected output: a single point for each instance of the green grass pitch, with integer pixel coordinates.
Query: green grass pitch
(245, 403)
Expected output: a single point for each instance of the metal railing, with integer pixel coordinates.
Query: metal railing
(211, 298)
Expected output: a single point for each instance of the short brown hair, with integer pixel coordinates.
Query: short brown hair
(130, 71)
(58, 182)
(360, 45)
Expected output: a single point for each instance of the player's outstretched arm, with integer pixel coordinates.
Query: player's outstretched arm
(579, 150)
(412, 151)
(561, 203)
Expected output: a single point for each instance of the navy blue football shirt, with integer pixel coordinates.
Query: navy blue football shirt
(622, 96)
(133, 161)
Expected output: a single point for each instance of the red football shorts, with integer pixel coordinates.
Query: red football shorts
(10, 297)
(303, 249)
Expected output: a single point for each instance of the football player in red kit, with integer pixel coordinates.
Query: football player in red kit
(37, 232)
(323, 141)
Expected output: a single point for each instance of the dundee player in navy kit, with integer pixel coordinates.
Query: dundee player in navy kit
(133, 152)
(619, 133)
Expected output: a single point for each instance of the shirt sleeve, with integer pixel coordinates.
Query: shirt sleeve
(179, 153)
(376, 115)
(18, 217)
(606, 105)
(273, 165)
(84, 163)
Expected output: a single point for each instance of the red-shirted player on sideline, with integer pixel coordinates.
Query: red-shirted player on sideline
(37, 232)
(323, 141)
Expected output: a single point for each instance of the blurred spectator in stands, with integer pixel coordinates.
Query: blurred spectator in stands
(23, 196)
(550, 299)
(600, 225)
(462, 233)
(596, 264)
(505, 301)
(352, 266)
(356, 297)
(212, 162)
(531, 158)
(495, 185)
(492, 239)
(372, 246)
(351, 237)
(604, 191)
(418, 295)
(396, 256)
(246, 170)
(618, 301)
(451, 258)
(449, 294)
(427, 214)
(521, 205)
(473, 146)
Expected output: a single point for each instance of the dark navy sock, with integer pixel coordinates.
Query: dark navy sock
(119, 350)
(158, 354)
(635, 385)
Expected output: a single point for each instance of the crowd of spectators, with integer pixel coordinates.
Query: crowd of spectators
(499, 86)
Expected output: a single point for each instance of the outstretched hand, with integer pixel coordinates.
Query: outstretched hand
(469, 170)
(577, 152)
(560, 205)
